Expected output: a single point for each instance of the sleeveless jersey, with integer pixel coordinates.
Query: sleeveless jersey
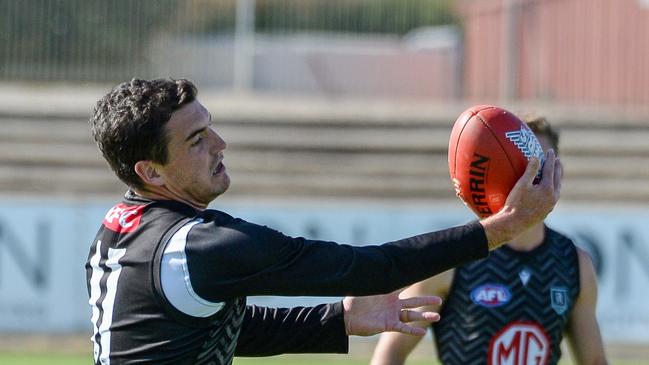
(123, 276)
(510, 308)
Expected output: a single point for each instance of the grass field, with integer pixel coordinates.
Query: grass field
(60, 359)
(49, 359)
(75, 350)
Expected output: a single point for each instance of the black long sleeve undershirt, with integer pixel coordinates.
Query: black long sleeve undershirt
(229, 257)
(274, 331)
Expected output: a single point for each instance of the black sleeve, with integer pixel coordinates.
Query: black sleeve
(274, 331)
(230, 258)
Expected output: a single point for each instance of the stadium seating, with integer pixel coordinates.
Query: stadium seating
(307, 148)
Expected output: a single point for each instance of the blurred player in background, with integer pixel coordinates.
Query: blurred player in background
(168, 277)
(514, 306)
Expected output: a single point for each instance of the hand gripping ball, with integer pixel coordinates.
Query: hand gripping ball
(487, 153)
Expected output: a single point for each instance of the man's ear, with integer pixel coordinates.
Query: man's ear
(146, 170)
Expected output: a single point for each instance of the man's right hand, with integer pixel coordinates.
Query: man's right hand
(527, 204)
(369, 315)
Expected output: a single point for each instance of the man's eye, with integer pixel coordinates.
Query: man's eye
(198, 140)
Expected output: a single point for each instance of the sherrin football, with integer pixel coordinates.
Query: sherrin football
(487, 153)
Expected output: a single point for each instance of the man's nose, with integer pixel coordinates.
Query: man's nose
(219, 143)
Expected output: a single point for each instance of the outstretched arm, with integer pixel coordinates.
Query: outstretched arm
(583, 330)
(231, 258)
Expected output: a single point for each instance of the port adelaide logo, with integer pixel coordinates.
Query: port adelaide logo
(559, 299)
(491, 295)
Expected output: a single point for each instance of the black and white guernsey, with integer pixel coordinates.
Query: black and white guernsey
(510, 308)
(168, 283)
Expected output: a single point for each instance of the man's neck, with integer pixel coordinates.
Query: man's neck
(530, 239)
(165, 195)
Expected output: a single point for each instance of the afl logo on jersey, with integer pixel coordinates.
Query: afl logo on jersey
(491, 295)
(520, 343)
(123, 218)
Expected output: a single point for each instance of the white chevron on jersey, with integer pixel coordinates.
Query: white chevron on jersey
(175, 279)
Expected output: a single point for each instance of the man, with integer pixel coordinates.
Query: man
(512, 307)
(168, 278)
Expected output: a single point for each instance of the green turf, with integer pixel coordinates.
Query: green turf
(43, 359)
(315, 360)
(60, 359)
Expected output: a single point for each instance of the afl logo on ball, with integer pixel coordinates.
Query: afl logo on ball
(491, 295)
(520, 343)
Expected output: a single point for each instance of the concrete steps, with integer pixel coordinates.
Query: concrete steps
(318, 153)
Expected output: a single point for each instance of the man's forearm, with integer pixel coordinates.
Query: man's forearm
(273, 331)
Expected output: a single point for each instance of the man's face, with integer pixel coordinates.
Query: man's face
(194, 171)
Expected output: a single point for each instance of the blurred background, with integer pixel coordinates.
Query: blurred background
(337, 115)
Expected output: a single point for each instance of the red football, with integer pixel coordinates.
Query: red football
(487, 153)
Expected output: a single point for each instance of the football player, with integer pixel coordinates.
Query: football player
(514, 306)
(168, 277)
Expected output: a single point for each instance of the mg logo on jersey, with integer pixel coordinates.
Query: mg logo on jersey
(491, 295)
(123, 218)
(520, 343)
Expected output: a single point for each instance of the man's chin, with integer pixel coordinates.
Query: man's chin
(223, 186)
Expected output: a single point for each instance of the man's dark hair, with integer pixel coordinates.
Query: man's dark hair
(128, 123)
(541, 127)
